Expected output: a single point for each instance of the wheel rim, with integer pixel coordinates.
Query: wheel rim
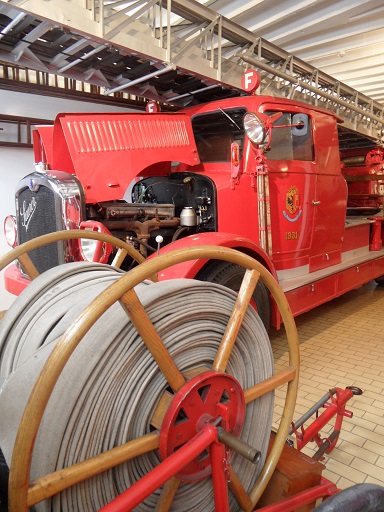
(21, 252)
(123, 291)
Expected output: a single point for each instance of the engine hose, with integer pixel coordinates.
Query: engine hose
(110, 387)
(178, 232)
(358, 498)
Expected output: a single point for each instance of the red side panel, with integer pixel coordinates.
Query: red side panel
(106, 151)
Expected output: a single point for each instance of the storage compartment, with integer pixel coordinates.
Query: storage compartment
(310, 295)
(355, 276)
(295, 472)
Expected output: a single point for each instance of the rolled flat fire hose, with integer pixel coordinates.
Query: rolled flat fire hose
(109, 389)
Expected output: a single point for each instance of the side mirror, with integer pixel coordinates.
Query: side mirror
(300, 124)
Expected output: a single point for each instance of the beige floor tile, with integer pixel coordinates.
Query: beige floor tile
(344, 483)
(357, 451)
(370, 480)
(374, 447)
(342, 344)
(367, 468)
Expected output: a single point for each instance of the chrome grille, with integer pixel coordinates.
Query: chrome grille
(45, 203)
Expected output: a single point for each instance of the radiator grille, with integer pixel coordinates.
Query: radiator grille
(37, 216)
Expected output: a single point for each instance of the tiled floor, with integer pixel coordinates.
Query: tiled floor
(342, 344)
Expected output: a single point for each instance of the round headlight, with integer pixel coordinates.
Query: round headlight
(94, 250)
(10, 230)
(88, 249)
(254, 128)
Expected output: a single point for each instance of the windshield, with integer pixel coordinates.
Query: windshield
(214, 133)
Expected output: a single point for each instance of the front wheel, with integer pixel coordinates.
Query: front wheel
(231, 276)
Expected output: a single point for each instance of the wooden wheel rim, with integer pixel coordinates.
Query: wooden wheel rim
(29, 425)
(57, 236)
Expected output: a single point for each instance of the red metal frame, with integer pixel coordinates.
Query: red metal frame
(189, 427)
(140, 490)
(324, 490)
(200, 400)
(336, 407)
(205, 398)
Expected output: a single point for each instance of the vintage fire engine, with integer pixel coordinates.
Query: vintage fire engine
(179, 417)
(267, 176)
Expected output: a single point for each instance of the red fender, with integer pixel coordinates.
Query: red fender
(189, 269)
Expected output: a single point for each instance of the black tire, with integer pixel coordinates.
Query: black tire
(4, 475)
(380, 280)
(231, 276)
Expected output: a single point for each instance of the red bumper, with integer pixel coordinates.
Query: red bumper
(14, 282)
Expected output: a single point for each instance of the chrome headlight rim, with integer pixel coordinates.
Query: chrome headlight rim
(10, 230)
(255, 128)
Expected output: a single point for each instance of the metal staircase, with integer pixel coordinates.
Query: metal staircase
(173, 51)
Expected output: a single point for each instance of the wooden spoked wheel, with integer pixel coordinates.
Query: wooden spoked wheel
(21, 252)
(22, 494)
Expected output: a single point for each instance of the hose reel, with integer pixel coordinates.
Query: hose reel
(200, 326)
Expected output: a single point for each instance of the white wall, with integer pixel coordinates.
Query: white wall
(15, 163)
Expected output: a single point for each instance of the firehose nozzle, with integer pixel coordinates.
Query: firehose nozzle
(239, 446)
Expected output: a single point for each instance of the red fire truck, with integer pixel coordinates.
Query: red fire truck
(269, 176)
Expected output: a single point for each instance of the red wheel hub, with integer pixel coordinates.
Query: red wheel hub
(208, 397)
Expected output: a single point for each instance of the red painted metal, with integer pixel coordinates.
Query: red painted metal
(189, 269)
(102, 250)
(189, 442)
(220, 476)
(130, 142)
(363, 170)
(14, 282)
(376, 237)
(307, 200)
(334, 408)
(143, 488)
(324, 490)
(205, 398)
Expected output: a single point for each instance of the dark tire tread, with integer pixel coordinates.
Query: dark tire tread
(231, 275)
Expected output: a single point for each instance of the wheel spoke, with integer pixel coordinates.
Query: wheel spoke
(238, 491)
(119, 258)
(244, 296)
(167, 495)
(28, 266)
(49, 485)
(131, 303)
(270, 384)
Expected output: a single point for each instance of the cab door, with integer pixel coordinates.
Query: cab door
(292, 183)
(308, 192)
(329, 202)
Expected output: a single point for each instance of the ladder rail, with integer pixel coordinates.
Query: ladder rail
(185, 36)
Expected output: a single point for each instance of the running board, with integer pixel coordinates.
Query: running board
(306, 292)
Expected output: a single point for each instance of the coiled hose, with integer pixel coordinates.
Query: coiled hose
(109, 389)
